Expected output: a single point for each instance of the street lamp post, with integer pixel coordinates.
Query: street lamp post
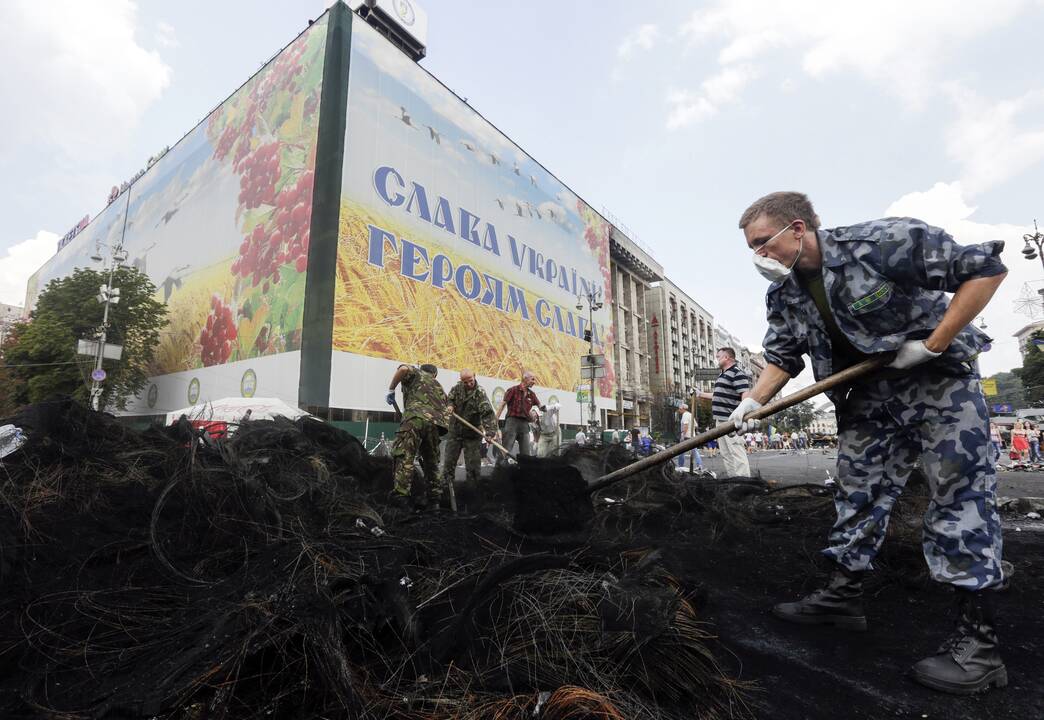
(1037, 238)
(594, 302)
(107, 295)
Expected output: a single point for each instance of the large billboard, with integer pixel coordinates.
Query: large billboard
(221, 223)
(455, 247)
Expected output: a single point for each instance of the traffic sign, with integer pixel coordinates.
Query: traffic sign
(708, 374)
(989, 386)
(98, 375)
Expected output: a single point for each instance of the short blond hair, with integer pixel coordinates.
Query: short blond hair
(784, 207)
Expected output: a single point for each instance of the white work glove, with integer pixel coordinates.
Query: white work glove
(746, 406)
(910, 353)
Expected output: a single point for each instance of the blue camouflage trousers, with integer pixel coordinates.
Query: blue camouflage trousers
(884, 426)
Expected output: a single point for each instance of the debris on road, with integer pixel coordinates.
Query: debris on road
(168, 574)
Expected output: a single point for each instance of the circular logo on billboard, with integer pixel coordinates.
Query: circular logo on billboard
(498, 395)
(193, 391)
(153, 395)
(404, 10)
(248, 384)
(553, 400)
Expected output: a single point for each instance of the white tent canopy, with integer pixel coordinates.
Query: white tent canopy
(234, 408)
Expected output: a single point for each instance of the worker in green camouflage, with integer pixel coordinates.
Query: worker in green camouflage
(840, 296)
(425, 417)
(469, 401)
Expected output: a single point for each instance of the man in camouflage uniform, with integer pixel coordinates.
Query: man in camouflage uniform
(840, 296)
(469, 401)
(425, 417)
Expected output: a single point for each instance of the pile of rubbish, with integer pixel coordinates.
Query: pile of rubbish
(168, 574)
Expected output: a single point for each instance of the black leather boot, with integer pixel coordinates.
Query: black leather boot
(969, 661)
(840, 603)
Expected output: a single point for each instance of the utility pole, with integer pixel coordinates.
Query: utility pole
(594, 302)
(107, 295)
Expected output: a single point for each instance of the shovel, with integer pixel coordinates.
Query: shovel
(552, 496)
(493, 442)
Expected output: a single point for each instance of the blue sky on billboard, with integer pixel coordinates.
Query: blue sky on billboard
(672, 115)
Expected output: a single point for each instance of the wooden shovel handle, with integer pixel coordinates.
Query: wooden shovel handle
(495, 444)
(844, 377)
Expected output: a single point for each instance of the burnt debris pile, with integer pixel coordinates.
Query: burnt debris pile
(165, 574)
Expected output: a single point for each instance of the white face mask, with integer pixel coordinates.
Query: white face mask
(770, 268)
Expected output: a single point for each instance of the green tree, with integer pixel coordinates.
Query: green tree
(1009, 389)
(1032, 372)
(43, 359)
(796, 417)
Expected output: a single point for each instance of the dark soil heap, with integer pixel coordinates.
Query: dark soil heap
(163, 574)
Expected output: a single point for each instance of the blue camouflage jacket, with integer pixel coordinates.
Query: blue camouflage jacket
(886, 282)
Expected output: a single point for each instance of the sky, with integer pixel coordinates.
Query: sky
(672, 116)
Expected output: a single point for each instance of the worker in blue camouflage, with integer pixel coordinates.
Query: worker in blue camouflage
(469, 401)
(845, 294)
(425, 418)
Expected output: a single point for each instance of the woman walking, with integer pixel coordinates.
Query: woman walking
(1019, 443)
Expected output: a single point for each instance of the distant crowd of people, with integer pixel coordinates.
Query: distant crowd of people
(1021, 443)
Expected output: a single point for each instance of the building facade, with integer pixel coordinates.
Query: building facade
(681, 342)
(825, 421)
(1025, 333)
(633, 269)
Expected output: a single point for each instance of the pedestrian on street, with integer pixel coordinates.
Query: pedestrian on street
(469, 401)
(995, 438)
(840, 296)
(519, 400)
(425, 417)
(1033, 435)
(580, 438)
(686, 430)
(550, 431)
(732, 382)
(1019, 443)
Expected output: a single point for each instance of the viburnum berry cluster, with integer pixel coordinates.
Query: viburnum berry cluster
(258, 174)
(281, 241)
(282, 76)
(216, 339)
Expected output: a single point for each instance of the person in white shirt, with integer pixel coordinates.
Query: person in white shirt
(580, 438)
(550, 433)
(686, 430)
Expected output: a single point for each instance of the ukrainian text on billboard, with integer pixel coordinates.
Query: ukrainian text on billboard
(455, 247)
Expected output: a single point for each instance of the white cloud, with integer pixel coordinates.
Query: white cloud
(898, 45)
(945, 206)
(643, 37)
(721, 89)
(988, 142)
(80, 76)
(165, 35)
(21, 261)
